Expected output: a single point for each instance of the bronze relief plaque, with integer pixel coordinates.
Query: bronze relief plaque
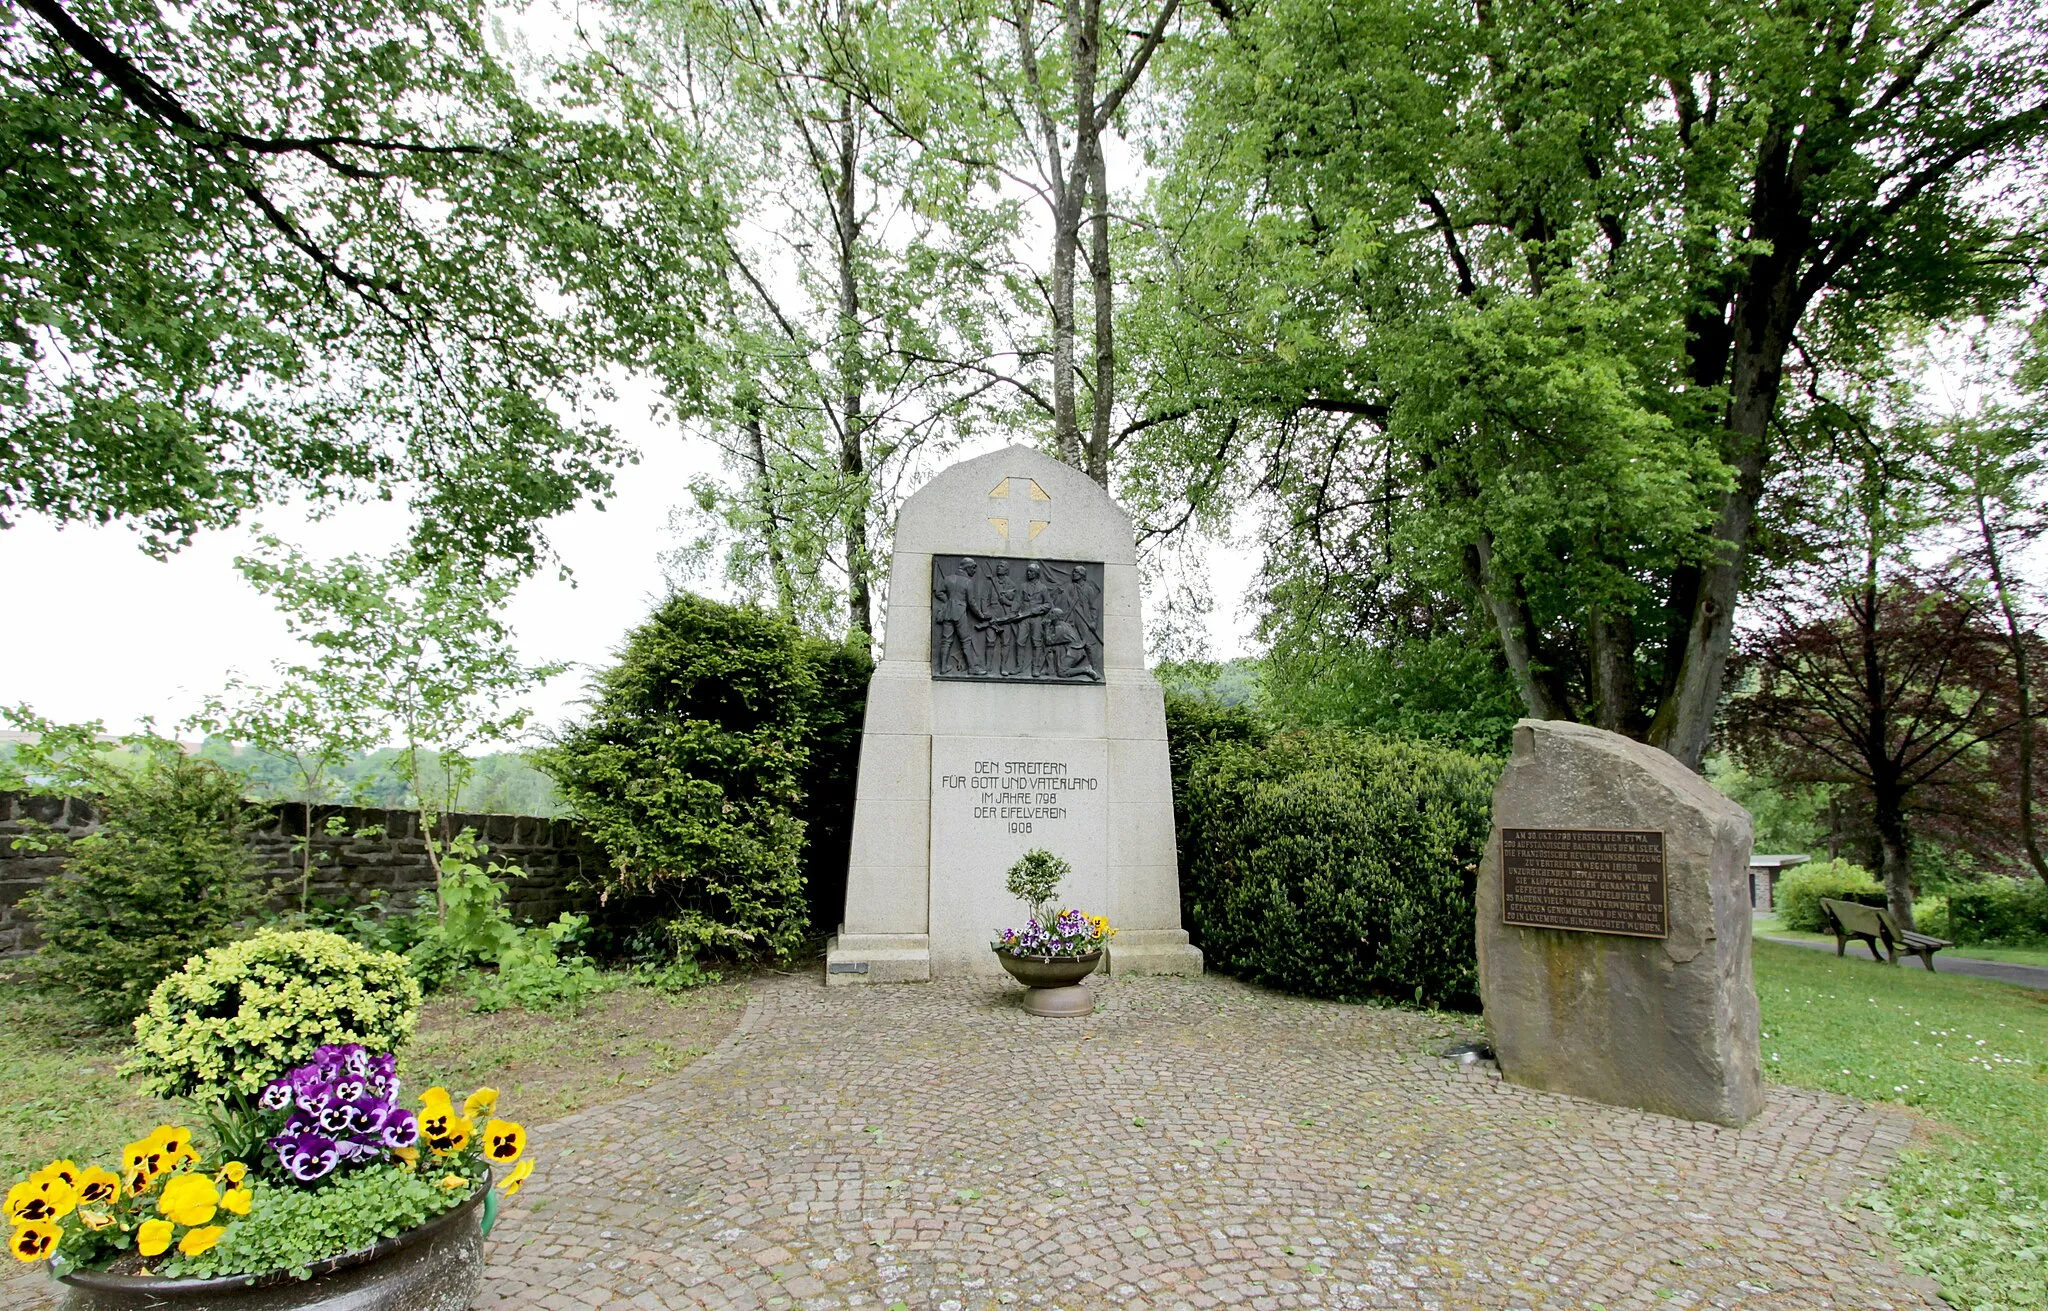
(1593, 880)
(1006, 619)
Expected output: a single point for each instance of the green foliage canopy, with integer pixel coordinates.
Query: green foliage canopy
(326, 250)
(1513, 310)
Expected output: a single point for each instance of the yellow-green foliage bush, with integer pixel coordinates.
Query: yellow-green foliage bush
(1800, 892)
(241, 1015)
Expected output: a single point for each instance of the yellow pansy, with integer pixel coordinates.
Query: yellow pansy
(141, 1162)
(232, 1174)
(94, 1220)
(480, 1104)
(235, 1201)
(434, 1099)
(516, 1178)
(40, 1200)
(97, 1187)
(66, 1170)
(34, 1240)
(445, 1131)
(409, 1157)
(153, 1237)
(174, 1144)
(198, 1241)
(451, 1182)
(189, 1199)
(504, 1142)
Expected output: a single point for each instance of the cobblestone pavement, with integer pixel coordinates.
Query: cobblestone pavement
(1197, 1143)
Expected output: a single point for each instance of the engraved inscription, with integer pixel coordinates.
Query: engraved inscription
(1017, 796)
(1591, 880)
(998, 618)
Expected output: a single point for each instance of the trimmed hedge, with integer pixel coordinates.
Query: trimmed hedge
(1329, 862)
(1999, 912)
(1800, 891)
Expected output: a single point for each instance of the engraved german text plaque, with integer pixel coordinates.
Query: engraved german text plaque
(1588, 879)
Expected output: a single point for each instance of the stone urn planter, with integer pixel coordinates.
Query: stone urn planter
(1053, 984)
(436, 1267)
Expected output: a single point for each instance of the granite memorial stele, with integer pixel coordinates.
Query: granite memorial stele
(1614, 928)
(1011, 709)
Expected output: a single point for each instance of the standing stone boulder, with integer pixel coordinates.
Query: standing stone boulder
(1665, 1023)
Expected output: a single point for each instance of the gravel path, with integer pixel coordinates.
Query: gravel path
(1196, 1143)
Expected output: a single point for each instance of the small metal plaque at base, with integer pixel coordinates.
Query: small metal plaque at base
(846, 967)
(1588, 880)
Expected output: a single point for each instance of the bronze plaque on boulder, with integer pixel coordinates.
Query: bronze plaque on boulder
(1594, 880)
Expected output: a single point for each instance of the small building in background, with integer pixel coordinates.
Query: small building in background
(1764, 872)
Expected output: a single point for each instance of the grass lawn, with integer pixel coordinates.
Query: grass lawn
(1969, 1203)
(60, 1096)
(1769, 924)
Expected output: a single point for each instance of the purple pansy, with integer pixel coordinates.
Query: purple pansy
(307, 1157)
(343, 1110)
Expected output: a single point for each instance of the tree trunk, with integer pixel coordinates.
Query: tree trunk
(1767, 305)
(764, 505)
(1105, 305)
(1614, 674)
(2016, 643)
(1541, 694)
(1895, 848)
(852, 366)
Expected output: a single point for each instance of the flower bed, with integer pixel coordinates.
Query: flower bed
(315, 1161)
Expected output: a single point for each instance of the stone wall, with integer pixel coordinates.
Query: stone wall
(375, 851)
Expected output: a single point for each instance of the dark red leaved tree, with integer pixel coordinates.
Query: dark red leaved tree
(1901, 691)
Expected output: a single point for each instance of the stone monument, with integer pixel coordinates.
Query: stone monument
(1614, 929)
(1011, 709)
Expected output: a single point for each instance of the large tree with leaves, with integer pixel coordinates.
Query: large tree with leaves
(324, 250)
(863, 271)
(1514, 306)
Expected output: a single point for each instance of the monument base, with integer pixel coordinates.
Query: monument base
(852, 958)
(1152, 951)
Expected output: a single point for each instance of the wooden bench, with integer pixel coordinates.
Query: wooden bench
(1873, 925)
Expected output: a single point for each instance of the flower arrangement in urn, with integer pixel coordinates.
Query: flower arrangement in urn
(1056, 949)
(324, 1170)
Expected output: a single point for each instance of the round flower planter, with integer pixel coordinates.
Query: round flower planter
(1052, 984)
(436, 1267)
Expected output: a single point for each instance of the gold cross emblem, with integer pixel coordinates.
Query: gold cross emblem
(1032, 491)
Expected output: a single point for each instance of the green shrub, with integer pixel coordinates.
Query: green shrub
(1800, 891)
(165, 875)
(241, 1015)
(833, 720)
(1336, 864)
(1998, 912)
(1195, 725)
(689, 773)
(1930, 916)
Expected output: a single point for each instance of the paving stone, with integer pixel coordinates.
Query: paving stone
(1195, 1144)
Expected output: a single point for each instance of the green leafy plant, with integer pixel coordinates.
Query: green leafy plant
(1035, 880)
(239, 1016)
(538, 968)
(689, 773)
(1800, 892)
(1336, 864)
(164, 875)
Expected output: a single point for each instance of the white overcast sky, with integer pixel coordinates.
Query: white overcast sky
(98, 630)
